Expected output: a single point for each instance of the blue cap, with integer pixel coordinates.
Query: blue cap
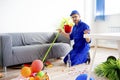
(74, 12)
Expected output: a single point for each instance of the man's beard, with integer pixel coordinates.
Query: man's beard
(76, 21)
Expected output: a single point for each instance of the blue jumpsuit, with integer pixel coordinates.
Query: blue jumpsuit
(79, 53)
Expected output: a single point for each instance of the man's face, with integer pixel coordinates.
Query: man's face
(76, 18)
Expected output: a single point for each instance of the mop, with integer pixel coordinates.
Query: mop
(46, 54)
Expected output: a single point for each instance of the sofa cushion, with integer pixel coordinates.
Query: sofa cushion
(60, 49)
(16, 39)
(22, 54)
(37, 38)
(63, 39)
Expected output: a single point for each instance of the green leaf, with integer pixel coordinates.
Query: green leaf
(66, 21)
(110, 69)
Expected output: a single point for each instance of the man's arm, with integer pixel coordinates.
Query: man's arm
(64, 34)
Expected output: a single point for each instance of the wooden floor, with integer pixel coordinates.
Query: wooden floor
(102, 54)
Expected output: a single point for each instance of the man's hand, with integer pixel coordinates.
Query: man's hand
(59, 30)
(87, 32)
(63, 33)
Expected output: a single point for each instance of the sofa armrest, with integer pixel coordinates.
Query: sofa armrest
(5, 50)
(63, 39)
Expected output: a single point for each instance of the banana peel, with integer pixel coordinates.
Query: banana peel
(48, 64)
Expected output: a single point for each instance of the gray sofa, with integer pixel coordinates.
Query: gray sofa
(19, 48)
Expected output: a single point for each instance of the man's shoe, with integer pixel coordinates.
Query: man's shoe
(88, 58)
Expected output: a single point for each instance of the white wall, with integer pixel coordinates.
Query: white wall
(101, 26)
(35, 15)
(110, 21)
(111, 24)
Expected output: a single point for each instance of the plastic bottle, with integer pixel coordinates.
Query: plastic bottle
(69, 61)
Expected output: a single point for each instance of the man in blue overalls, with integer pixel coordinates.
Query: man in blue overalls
(79, 53)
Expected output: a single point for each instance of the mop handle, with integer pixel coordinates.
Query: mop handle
(50, 46)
